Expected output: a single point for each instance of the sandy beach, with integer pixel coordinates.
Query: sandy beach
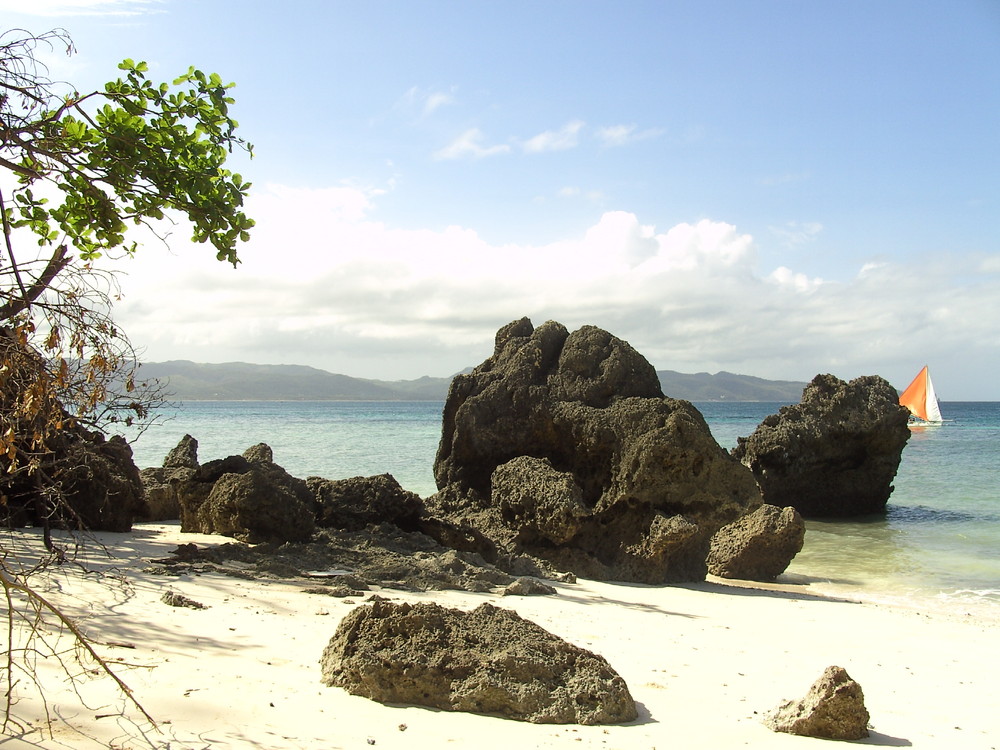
(703, 662)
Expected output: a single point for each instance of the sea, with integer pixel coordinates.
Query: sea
(937, 546)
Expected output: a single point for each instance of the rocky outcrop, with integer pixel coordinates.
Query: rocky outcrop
(352, 504)
(833, 709)
(488, 661)
(184, 455)
(543, 504)
(165, 484)
(86, 482)
(833, 454)
(759, 546)
(247, 497)
(562, 446)
(100, 484)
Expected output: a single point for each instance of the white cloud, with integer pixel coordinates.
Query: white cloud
(424, 102)
(798, 233)
(990, 264)
(469, 144)
(621, 135)
(786, 277)
(572, 191)
(82, 7)
(325, 284)
(436, 100)
(565, 138)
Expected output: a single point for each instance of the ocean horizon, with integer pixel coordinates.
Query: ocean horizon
(938, 543)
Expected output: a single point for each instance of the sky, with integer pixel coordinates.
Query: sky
(768, 187)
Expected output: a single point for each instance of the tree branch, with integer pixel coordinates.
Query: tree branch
(19, 169)
(10, 584)
(56, 264)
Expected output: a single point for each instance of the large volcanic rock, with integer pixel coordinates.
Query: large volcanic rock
(488, 661)
(354, 503)
(833, 454)
(248, 497)
(87, 481)
(100, 483)
(562, 446)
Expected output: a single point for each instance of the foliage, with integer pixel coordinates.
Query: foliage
(128, 153)
(80, 169)
(77, 172)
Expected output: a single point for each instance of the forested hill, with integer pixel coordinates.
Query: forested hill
(239, 381)
(727, 386)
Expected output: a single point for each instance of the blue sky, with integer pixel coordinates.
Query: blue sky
(771, 188)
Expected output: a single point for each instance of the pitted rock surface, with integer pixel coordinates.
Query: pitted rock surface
(487, 661)
(759, 546)
(562, 446)
(833, 709)
(835, 453)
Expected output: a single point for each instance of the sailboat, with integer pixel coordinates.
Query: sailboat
(920, 399)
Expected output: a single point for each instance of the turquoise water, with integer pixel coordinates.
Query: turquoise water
(940, 537)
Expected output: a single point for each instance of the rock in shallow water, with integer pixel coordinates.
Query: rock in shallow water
(835, 453)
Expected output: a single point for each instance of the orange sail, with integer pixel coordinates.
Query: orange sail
(920, 399)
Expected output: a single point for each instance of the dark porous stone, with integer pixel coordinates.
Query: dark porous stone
(528, 587)
(488, 661)
(183, 456)
(561, 447)
(759, 546)
(251, 499)
(352, 504)
(833, 454)
(258, 507)
(165, 485)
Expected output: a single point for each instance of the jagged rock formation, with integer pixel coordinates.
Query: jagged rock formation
(91, 482)
(833, 709)
(759, 546)
(163, 484)
(100, 483)
(833, 454)
(184, 455)
(562, 446)
(248, 497)
(352, 504)
(54, 472)
(488, 661)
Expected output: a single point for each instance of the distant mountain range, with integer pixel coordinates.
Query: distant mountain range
(727, 386)
(240, 381)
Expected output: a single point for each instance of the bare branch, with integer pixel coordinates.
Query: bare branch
(39, 286)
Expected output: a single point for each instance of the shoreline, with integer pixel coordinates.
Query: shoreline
(704, 661)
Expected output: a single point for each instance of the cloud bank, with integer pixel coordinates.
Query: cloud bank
(325, 284)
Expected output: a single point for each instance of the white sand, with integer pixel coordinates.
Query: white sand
(702, 661)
